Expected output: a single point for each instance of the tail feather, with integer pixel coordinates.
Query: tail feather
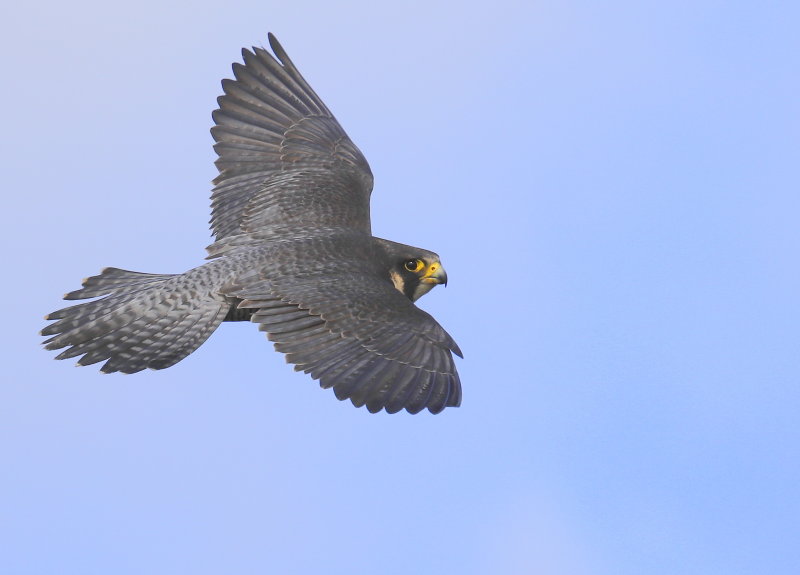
(143, 320)
(110, 279)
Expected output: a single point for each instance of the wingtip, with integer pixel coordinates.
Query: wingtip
(273, 43)
(280, 53)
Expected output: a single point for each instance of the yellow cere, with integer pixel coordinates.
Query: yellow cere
(432, 270)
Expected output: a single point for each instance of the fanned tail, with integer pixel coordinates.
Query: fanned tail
(141, 321)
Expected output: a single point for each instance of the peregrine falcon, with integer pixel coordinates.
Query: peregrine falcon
(293, 252)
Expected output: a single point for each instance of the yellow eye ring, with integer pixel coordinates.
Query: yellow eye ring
(413, 265)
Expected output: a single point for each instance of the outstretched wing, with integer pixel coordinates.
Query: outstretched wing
(363, 338)
(273, 134)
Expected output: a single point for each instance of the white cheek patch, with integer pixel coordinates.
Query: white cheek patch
(397, 280)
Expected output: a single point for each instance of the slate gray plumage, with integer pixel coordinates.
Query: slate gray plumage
(294, 252)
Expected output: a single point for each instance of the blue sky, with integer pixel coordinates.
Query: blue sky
(614, 191)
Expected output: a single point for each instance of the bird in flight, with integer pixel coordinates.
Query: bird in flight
(293, 252)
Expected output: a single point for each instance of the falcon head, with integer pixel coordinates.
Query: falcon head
(414, 276)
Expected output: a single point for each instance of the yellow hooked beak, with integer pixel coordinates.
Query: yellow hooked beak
(435, 274)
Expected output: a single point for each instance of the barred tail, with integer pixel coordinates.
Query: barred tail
(142, 321)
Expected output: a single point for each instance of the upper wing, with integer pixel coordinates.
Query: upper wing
(364, 339)
(271, 127)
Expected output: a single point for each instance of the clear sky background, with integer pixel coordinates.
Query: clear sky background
(614, 189)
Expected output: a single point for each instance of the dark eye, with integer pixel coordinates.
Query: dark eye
(413, 265)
